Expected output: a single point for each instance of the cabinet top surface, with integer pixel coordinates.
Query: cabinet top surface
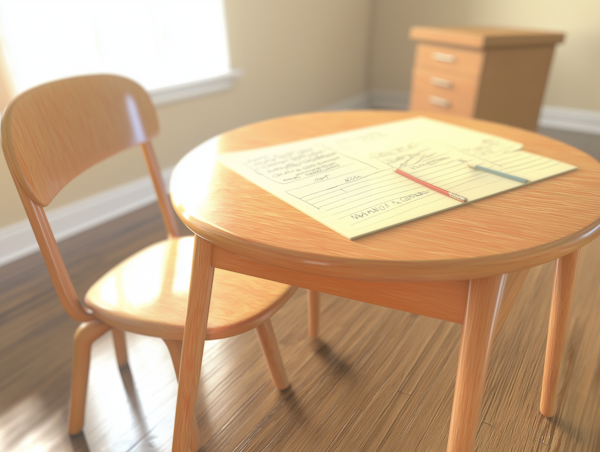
(484, 37)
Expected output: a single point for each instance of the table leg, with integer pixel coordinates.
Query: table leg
(562, 294)
(268, 343)
(514, 282)
(483, 312)
(193, 343)
(313, 313)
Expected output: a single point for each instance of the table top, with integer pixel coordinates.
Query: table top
(507, 232)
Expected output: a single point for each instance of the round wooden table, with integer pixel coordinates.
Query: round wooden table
(465, 265)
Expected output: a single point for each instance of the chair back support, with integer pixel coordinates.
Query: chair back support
(54, 132)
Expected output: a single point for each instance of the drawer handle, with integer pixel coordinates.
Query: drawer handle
(440, 101)
(441, 82)
(443, 57)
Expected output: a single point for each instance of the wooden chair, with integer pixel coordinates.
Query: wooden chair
(54, 132)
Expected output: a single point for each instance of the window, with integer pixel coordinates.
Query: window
(165, 45)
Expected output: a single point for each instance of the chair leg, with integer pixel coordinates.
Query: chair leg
(194, 336)
(562, 295)
(483, 308)
(268, 343)
(175, 352)
(313, 313)
(120, 346)
(84, 337)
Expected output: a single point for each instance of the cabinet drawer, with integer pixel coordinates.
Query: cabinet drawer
(455, 93)
(450, 93)
(423, 101)
(446, 60)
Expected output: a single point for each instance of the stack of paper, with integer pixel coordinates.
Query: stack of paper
(347, 181)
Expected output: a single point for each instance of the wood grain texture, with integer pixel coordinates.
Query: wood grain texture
(175, 348)
(83, 339)
(54, 132)
(193, 342)
(53, 259)
(514, 282)
(148, 294)
(374, 379)
(501, 234)
(159, 187)
(483, 312)
(562, 295)
(268, 343)
(313, 313)
(446, 300)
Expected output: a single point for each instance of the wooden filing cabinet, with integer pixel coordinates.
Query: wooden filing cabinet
(489, 73)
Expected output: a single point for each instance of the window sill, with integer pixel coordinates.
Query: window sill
(202, 87)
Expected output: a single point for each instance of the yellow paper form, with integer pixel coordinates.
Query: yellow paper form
(347, 181)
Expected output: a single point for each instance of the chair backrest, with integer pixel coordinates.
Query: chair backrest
(54, 132)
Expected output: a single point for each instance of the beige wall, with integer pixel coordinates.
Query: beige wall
(573, 80)
(295, 56)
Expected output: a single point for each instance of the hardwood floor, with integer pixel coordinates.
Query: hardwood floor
(375, 379)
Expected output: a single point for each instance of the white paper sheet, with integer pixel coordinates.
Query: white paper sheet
(347, 181)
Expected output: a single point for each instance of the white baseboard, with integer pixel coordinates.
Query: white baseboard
(393, 100)
(573, 119)
(17, 240)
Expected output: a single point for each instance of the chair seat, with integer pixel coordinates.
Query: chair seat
(148, 294)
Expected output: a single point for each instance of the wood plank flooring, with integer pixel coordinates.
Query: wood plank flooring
(375, 379)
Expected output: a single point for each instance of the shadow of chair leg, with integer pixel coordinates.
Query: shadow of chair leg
(79, 443)
(134, 399)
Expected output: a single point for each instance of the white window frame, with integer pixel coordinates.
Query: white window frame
(170, 94)
(107, 54)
